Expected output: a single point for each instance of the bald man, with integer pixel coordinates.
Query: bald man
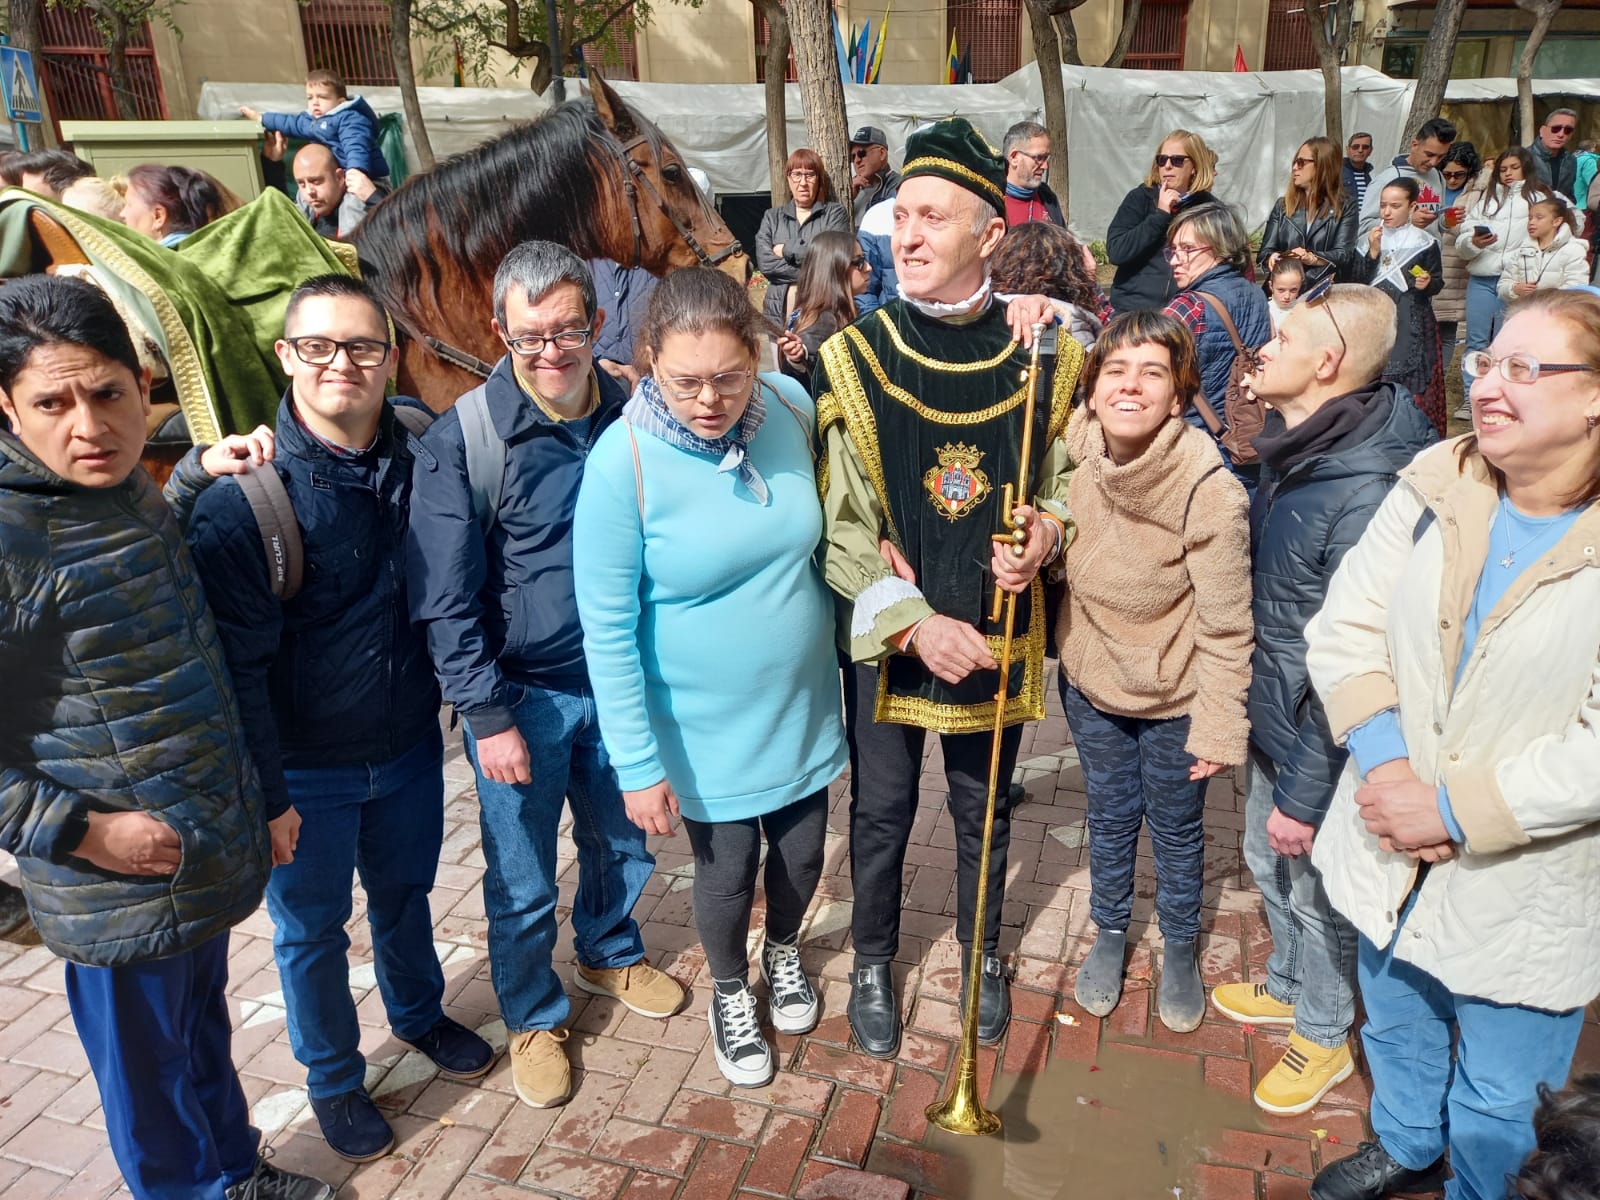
(320, 181)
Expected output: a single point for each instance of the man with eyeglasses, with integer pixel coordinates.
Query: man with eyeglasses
(1357, 170)
(1332, 447)
(490, 568)
(1557, 166)
(872, 179)
(1421, 163)
(1027, 155)
(340, 709)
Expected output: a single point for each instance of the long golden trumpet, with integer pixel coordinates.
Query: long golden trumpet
(962, 1110)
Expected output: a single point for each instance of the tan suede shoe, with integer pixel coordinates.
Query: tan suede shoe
(539, 1068)
(640, 987)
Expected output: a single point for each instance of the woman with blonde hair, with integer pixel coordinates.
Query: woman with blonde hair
(1455, 657)
(1154, 639)
(1315, 222)
(91, 194)
(1181, 176)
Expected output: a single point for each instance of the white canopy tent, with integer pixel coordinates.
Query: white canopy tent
(1255, 121)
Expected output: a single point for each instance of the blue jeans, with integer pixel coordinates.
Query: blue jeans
(1313, 961)
(1484, 307)
(158, 1039)
(1483, 1109)
(386, 821)
(1137, 770)
(569, 764)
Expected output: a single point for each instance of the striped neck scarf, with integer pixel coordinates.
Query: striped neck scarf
(647, 409)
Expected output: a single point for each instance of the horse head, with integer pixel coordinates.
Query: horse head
(674, 224)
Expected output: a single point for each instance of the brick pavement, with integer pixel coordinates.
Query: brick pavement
(1115, 1109)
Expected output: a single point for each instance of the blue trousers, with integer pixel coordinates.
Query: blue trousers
(1484, 307)
(569, 765)
(1137, 770)
(158, 1039)
(385, 821)
(1479, 1106)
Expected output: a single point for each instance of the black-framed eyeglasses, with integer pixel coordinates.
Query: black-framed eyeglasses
(532, 344)
(1317, 293)
(1039, 159)
(802, 174)
(1171, 160)
(689, 387)
(1516, 368)
(320, 351)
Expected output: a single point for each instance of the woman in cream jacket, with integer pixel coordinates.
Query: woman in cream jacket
(1457, 658)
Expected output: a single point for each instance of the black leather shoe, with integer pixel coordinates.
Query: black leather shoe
(874, 1015)
(994, 1000)
(1370, 1174)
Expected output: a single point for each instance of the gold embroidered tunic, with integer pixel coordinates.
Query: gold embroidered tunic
(922, 427)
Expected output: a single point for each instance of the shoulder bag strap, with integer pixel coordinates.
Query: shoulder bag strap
(486, 456)
(1227, 320)
(280, 532)
(638, 472)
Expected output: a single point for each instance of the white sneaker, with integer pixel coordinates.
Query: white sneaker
(741, 1051)
(793, 1004)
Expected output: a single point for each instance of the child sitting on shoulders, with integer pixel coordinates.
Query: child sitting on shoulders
(1283, 288)
(345, 125)
(1553, 257)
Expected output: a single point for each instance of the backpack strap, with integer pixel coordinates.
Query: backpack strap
(1227, 320)
(486, 456)
(638, 473)
(280, 532)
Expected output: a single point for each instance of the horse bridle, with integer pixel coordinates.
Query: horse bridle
(635, 175)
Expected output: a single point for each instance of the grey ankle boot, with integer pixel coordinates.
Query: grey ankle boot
(1181, 1000)
(1099, 984)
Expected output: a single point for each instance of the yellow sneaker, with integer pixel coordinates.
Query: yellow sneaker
(539, 1068)
(1251, 1004)
(640, 987)
(1304, 1075)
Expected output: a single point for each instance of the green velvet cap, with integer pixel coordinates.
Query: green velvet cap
(952, 149)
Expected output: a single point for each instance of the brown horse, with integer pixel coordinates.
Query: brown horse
(591, 174)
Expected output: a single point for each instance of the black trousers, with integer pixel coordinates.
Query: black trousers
(885, 769)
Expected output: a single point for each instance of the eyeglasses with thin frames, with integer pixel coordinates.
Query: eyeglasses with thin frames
(802, 174)
(1039, 159)
(1182, 253)
(532, 344)
(320, 351)
(1516, 368)
(689, 387)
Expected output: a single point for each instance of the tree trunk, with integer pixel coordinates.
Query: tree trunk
(1047, 56)
(405, 72)
(121, 77)
(777, 69)
(821, 90)
(1130, 23)
(1434, 71)
(23, 24)
(1544, 14)
(1330, 57)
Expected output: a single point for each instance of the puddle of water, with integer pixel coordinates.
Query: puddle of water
(1134, 1127)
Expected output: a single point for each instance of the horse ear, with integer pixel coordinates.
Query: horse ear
(614, 113)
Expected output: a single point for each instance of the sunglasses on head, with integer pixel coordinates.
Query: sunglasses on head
(1171, 160)
(1317, 293)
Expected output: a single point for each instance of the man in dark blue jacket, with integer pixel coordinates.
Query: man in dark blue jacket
(340, 709)
(1331, 451)
(490, 568)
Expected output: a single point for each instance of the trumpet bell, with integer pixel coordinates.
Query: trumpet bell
(962, 1111)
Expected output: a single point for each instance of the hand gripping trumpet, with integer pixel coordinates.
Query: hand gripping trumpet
(962, 1110)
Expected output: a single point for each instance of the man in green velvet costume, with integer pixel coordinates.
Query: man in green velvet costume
(921, 408)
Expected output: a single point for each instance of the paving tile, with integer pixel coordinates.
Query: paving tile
(716, 1116)
(848, 1128)
(55, 1145)
(584, 1117)
(646, 1146)
(575, 1175)
(716, 1171)
(848, 1067)
(784, 1146)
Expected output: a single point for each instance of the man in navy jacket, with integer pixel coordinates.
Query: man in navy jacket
(1332, 449)
(340, 709)
(491, 581)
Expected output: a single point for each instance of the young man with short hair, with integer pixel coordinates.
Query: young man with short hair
(340, 709)
(1421, 163)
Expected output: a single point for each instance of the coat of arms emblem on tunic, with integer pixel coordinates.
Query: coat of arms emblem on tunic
(956, 486)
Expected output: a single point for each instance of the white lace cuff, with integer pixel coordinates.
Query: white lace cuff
(876, 599)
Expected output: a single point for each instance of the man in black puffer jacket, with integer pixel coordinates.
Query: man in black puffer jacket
(126, 792)
(1331, 451)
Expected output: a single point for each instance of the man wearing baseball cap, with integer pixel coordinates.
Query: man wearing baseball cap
(873, 179)
(921, 417)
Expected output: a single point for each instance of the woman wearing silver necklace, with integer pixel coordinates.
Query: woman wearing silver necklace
(1457, 659)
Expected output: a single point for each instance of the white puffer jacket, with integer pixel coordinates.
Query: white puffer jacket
(1515, 918)
(1564, 265)
(1507, 219)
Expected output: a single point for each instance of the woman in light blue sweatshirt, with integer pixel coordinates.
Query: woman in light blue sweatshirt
(709, 636)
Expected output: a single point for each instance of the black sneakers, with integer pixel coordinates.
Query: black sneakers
(1370, 1174)
(793, 1001)
(740, 1048)
(268, 1182)
(352, 1125)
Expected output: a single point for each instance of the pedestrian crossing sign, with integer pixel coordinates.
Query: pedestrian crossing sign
(20, 85)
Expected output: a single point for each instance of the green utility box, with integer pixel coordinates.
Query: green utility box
(229, 150)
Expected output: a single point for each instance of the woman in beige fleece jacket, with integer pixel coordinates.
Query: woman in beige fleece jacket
(1155, 639)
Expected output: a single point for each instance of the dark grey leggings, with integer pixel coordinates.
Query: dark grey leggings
(726, 854)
